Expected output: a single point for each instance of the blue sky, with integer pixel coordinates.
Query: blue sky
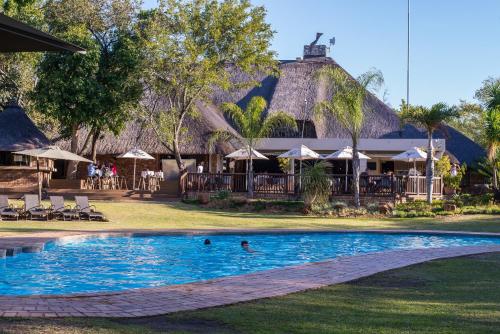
(455, 43)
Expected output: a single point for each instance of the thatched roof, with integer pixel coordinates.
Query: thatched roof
(287, 92)
(17, 131)
(139, 134)
(297, 84)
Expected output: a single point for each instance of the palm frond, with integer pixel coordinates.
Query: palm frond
(277, 120)
(220, 135)
(236, 114)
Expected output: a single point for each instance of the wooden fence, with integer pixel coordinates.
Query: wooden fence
(290, 185)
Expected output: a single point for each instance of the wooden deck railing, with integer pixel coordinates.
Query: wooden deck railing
(291, 184)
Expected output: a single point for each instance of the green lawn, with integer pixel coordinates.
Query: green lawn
(446, 296)
(155, 216)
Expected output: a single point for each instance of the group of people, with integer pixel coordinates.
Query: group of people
(102, 170)
(244, 244)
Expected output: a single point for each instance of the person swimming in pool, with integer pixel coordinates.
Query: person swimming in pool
(246, 246)
(207, 242)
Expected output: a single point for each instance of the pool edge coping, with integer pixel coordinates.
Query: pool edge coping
(192, 296)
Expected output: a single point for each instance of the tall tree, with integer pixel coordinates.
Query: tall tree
(17, 69)
(489, 95)
(192, 49)
(348, 105)
(97, 90)
(492, 139)
(431, 119)
(252, 125)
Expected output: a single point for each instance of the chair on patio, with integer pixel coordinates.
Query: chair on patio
(7, 210)
(59, 210)
(33, 209)
(87, 211)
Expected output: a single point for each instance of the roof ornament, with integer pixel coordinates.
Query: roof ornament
(315, 50)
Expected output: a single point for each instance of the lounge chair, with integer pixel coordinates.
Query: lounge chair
(59, 210)
(33, 209)
(87, 211)
(7, 210)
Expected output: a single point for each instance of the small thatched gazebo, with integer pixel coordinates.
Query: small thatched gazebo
(18, 133)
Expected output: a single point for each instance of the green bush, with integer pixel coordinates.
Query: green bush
(222, 195)
(372, 207)
(413, 206)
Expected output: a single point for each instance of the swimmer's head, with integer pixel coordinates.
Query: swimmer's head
(207, 242)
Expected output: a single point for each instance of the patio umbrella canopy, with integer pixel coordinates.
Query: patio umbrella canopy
(412, 155)
(135, 154)
(50, 152)
(244, 154)
(345, 154)
(300, 153)
(16, 36)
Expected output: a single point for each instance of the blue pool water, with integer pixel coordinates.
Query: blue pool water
(119, 263)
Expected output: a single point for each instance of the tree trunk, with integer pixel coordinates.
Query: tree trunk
(355, 173)
(72, 165)
(95, 138)
(495, 175)
(250, 176)
(178, 158)
(492, 159)
(429, 168)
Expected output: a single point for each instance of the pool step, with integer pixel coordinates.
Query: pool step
(15, 250)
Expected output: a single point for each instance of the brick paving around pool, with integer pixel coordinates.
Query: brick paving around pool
(215, 292)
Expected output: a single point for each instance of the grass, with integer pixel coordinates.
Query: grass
(459, 295)
(157, 216)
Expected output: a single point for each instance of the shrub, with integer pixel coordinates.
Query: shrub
(316, 185)
(372, 207)
(222, 195)
(413, 206)
(339, 206)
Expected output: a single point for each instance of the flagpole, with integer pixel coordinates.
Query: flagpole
(408, 57)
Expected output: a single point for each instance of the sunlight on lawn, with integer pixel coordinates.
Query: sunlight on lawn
(155, 216)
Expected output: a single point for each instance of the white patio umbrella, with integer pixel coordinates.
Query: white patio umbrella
(300, 153)
(345, 154)
(412, 155)
(244, 154)
(53, 153)
(135, 154)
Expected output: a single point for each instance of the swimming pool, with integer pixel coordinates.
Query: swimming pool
(117, 263)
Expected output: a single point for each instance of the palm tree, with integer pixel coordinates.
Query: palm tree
(489, 95)
(252, 125)
(492, 138)
(431, 119)
(348, 107)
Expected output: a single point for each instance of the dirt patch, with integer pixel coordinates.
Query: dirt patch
(164, 324)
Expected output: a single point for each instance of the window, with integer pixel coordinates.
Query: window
(11, 159)
(372, 165)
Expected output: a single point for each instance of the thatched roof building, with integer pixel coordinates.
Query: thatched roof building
(18, 131)
(137, 133)
(296, 91)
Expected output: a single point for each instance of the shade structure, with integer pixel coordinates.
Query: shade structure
(414, 154)
(50, 152)
(411, 155)
(300, 153)
(16, 36)
(346, 154)
(244, 154)
(135, 154)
